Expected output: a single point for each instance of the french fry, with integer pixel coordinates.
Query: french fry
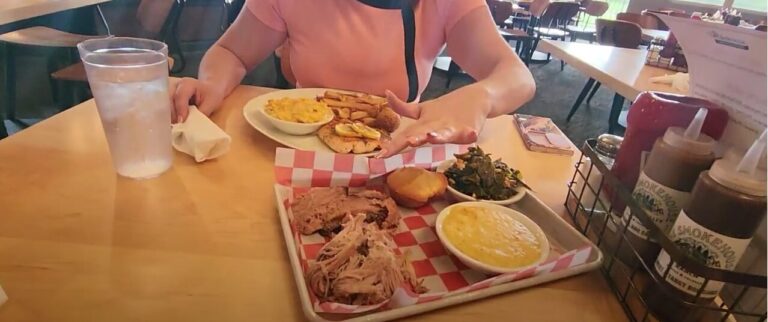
(373, 100)
(344, 113)
(370, 109)
(368, 121)
(332, 95)
(356, 115)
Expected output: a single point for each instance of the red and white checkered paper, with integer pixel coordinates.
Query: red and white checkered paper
(441, 272)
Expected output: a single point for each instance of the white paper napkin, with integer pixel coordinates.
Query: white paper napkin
(678, 81)
(199, 137)
(3, 297)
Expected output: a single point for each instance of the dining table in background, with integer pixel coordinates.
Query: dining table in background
(623, 70)
(651, 34)
(13, 12)
(202, 242)
(17, 10)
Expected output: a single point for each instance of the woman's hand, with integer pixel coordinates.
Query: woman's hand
(192, 91)
(457, 117)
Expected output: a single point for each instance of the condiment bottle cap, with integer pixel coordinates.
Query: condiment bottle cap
(691, 139)
(609, 144)
(743, 175)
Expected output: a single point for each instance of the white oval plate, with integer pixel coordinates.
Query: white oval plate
(309, 142)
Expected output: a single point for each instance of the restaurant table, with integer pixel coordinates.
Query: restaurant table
(17, 10)
(623, 70)
(202, 242)
(651, 34)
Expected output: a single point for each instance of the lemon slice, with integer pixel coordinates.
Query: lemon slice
(346, 130)
(366, 131)
(357, 130)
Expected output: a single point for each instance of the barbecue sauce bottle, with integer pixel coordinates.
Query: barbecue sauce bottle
(665, 183)
(726, 208)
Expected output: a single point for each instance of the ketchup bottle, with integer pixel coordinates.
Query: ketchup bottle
(648, 119)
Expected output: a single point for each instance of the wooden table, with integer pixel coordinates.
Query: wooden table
(17, 10)
(651, 34)
(202, 242)
(621, 69)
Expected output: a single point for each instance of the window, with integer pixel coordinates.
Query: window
(749, 5)
(716, 3)
(752, 5)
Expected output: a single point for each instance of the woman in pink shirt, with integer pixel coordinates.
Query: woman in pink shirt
(381, 47)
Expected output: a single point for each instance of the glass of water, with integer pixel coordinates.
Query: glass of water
(129, 80)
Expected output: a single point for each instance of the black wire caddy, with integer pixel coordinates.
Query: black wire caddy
(638, 285)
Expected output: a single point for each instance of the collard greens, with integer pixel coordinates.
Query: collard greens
(475, 174)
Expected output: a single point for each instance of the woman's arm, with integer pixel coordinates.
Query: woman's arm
(244, 45)
(476, 46)
(504, 84)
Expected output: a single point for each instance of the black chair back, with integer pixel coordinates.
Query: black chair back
(618, 33)
(559, 14)
(645, 21)
(500, 11)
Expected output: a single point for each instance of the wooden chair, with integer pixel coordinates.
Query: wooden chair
(501, 11)
(530, 10)
(536, 10)
(553, 22)
(645, 21)
(523, 41)
(616, 33)
(592, 9)
(583, 4)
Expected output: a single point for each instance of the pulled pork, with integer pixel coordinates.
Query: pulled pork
(359, 267)
(324, 209)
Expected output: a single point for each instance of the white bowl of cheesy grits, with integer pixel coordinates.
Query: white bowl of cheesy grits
(297, 116)
(491, 238)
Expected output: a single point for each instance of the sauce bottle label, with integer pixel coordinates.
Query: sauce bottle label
(661, 203)
(707, 247)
